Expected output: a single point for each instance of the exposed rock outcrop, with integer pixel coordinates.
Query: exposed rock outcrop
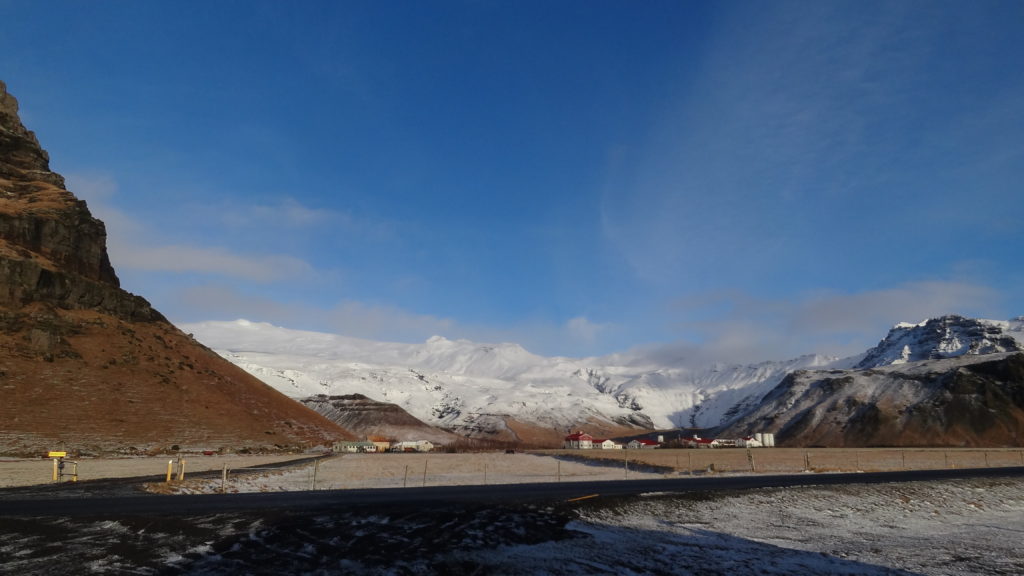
(943, 337)
(367, 417)
(971, 400)
(89, 366)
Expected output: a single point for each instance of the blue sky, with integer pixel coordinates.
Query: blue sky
(745, 180)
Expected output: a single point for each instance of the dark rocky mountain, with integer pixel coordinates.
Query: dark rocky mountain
(943, 337)
(87, 366)
(947, 381)
(366, 418)
(971, 400)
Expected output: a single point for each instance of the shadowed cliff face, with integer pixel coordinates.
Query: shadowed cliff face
(51, 248)
(93, 367)
(971, 400)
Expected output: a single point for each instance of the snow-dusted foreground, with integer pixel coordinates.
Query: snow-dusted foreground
(968, 526)
(950, 527)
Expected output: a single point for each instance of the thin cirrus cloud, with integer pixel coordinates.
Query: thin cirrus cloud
(213, 261)
(133, 246)
(377, 321)
(801, 120)
(752, 328)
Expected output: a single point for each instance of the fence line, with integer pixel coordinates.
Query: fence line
(392, 471)
(794, 460)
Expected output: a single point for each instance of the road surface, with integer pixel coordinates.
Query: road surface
(440, 496)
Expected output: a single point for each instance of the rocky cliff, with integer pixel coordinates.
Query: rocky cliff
(943, 337)
(369, 418)
(88, 366)
(969, 400)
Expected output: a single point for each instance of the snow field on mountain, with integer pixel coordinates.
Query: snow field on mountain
(444, 382)
(451, 383)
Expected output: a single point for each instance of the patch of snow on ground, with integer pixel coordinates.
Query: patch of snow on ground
(940, 528)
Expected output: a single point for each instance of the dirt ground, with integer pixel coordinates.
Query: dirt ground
(785, 460)
(29, 472)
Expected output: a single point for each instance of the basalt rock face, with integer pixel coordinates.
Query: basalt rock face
(971, 400)
(370, 418)
(91, 367)
(52, 250)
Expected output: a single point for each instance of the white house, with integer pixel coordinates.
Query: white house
(413, 446)
(641, 444)
(607, 445)
(355, 447)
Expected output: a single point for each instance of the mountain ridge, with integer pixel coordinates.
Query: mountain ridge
(453, 389)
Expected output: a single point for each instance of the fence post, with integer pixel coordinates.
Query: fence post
(224, 479)
(559, 470)
(485, 473)
(625, 461)
(170, 470)
(424, 471)
(405, 480)
(807, 461)
(316, 468)
(181, 471)
(55, 473)
(750, 457)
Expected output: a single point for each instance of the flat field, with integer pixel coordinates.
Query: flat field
(32, 471)
(786, 460)
(435, 469)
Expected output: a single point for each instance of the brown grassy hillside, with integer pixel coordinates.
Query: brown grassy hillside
(87, 366)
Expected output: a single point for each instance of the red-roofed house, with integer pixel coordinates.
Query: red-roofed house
(579, 441)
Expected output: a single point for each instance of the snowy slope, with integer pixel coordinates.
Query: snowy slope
(452, 383)
(464, 386)
(945, 337)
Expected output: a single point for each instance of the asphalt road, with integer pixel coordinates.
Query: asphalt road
(440, 496)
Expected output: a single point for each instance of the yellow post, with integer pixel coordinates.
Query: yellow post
(55, 470)
(181, 471)
(170, 468)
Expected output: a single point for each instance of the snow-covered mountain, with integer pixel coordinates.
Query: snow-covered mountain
(469, 387)
(944, 337)
(967, 400)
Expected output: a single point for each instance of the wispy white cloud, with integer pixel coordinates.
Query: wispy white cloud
(582, 330)
(133, 246)
(749, 328)
(289, 215)
(382, 322)
(211, 261)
